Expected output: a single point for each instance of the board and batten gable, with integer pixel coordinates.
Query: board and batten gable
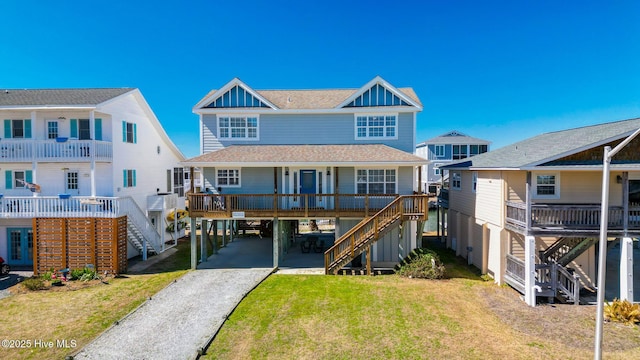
(309, 129)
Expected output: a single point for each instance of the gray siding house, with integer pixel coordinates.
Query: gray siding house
(287, 155)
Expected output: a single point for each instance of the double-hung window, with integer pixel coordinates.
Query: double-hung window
(129, 178)
(52, 129)
(546, 186)
(376, 181)
(456, 180)
(383, 126)
(129, 132)
(228, 177)
(238, 127)
(438, 150)
(17, 129)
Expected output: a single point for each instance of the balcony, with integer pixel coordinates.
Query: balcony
(286, 205)
(59, 150)
(21, 207)
(570, 219)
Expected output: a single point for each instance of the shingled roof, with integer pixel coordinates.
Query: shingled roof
(270, 155)
(549, 146)
(58, 97)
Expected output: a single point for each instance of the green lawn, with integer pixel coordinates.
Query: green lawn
(389, 317)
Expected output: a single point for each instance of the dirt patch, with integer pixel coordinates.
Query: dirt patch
(573, 326)
(67, 286)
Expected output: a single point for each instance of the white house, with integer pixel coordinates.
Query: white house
(84, 154)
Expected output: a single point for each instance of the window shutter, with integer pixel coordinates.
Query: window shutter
(135, 134)
(124, 177)
(29, 176)
(8, 176)
(7, 129)
(27, 128)
(74, 128)
(98, 129)
(124, 131)
(133, 175)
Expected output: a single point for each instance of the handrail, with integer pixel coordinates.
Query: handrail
(352, 243)
(569, 283)
(129, 207)
(55, 150)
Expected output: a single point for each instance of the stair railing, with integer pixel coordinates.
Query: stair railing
(140, 220)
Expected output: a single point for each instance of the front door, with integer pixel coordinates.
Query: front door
(71, 182)
(20, 246)
(308, 186)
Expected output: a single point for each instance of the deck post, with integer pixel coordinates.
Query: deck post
(626, 269)
(276, 242)
(194, 244)
(369, 260)
(530, 270)
(204, 236)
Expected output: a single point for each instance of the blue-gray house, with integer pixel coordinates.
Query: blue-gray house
(340, 154)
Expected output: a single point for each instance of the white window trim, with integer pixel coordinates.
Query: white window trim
(355, 177)
(436, 169)
(474, 181)
(355, 126)
(452, 175)
(437, 153)
(226, 185)
(238, 115)
(534, 185)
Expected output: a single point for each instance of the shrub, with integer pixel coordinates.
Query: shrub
(48, 275)
(622, 311)
(84, 274)
(422, 263)
(34, 283)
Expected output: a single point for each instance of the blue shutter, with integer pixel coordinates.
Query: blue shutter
(8, 179)
(133, 175)
(27, 128)
(124, 176)
(124, 131)
(29, 176)
(74, 128)
(135, 134)
(7, 129)
(98, 129)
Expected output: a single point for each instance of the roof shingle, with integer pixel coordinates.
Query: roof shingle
(59, 97)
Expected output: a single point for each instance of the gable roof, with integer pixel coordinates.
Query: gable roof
(313, 99)
(454, 137)
(58, 97)
(550, 146)
(321, 155)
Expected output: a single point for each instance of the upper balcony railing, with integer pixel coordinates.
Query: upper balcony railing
(57, 150)
(286, 205)
(570, 218)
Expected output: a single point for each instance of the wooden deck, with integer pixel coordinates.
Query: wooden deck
(581, 220)
(268, 206)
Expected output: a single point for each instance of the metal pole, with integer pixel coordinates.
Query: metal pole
(602, 255)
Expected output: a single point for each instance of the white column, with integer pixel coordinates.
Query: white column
(92, 121)
(626, 269)
(530, 270)
(34, 163)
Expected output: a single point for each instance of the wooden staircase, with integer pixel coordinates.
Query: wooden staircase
(360, 238)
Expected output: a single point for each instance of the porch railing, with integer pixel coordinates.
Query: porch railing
(515, 272)
(269, 205)
(14, 150)
(569, 216)
(54, 206)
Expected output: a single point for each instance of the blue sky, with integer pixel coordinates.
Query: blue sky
(498, 70)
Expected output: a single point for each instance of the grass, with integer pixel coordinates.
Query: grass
(390, 317)
(78, 316)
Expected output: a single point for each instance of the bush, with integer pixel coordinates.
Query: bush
(422, 263)
(34, 283)
(622, 311)
(84, 274)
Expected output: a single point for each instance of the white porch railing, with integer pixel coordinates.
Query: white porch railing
(144, 226)
(21, 150)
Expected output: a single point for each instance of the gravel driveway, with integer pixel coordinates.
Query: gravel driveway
(178, 320)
